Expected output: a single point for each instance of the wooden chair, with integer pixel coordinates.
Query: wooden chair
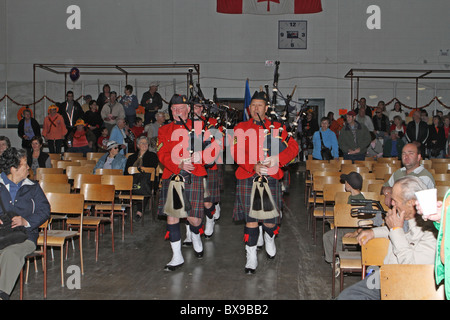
(65, 163)
(68, 155)
(409, 282)
(442, 183)
(108, 171)
(441, 177)
(368, 175)
(152, 171)
(373, 253)
(440, 167)
(375, 187)
(317, 188)
(99, 194)
(368, 164)
(124, 185)
(84, 162)
(326, 212)
(41, 171)
(350, 261)
(54, 186)
(54, 156)
(94, 155)
(367, 183)
(346, 169)
(57, 177)
(42, 253)
(441, 191)
(63, 203)
(75, 158)
(341, 197)
(381, 171)
(71, 171)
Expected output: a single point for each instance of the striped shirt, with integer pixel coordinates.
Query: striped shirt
(420, 172)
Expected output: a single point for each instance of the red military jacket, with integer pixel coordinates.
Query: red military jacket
(249, 148)
(173, 146)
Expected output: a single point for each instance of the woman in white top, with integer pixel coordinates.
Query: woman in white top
(397, 111)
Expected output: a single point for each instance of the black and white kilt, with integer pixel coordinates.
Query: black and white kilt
(242, 201)
(213, 184)
(194, 192)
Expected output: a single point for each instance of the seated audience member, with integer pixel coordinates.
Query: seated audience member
(82, 139)
(353, 184)
(329, 140)
(412, 241)
(104, 137)
(112, 159)
(119, 133)
(354, 138)
(381, 123)
(142, 158)
(446, 123)
(153, 127)
(5, 143)
(363, 118)
(375, 148)
(411, 157)
(93, 119)
(397, 112)
(28, 202)
(393, 146)
(436, 139)
(398, 126)
(28, 128)
(54, 130)
(38, 158)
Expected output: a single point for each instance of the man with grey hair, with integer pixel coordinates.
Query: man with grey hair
(152, 128)
(412, 240)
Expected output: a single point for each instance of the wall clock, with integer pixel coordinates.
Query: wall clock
(292, 34)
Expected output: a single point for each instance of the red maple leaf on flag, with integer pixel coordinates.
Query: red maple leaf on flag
(268, 3)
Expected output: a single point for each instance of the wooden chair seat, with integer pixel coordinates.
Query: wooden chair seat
(87, 221)
(57, 237)
(350, 241)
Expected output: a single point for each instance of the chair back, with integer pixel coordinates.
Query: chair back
(98, 192)
(440, 167)
(63, 203)
(381, 171)
(341, 197)
(59, 187)
(40, 171)
(441, 177)
(65, 163)
(320, 181)
(54, 156)
(71, 170)
(57, 177)
(373, 253)
(441, 191)
(68, 155)
(108, 171)
(133, 170)
(375, 187)
(94, 155)
(330, 191)
(371, 195)
(409, 282)
(120, 182)
(81, 178)
(342, 216)
(346, 169)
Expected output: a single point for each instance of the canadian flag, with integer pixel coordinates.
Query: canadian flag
(268, 6)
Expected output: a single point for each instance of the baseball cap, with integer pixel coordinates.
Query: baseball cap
(354, 179)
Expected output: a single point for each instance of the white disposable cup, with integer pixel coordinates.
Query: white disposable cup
(428, 201)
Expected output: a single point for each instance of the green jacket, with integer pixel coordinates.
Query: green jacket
(442, 271)
(346, 141)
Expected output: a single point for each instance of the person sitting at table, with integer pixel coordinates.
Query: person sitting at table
(112, 159)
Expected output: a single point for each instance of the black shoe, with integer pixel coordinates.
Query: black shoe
(4, 295)
(172, 268)
(249, 271)
(199, 255)
(187, 244)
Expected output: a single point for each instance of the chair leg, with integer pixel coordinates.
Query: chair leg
(97, 231)
(21, 284)
(81, 254)
(62, 265)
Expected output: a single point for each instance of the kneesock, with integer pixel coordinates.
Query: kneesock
(173, 232)
(251, 236)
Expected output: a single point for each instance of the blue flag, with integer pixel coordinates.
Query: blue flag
(247, 100)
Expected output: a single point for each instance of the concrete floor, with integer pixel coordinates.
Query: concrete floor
(135, 270)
